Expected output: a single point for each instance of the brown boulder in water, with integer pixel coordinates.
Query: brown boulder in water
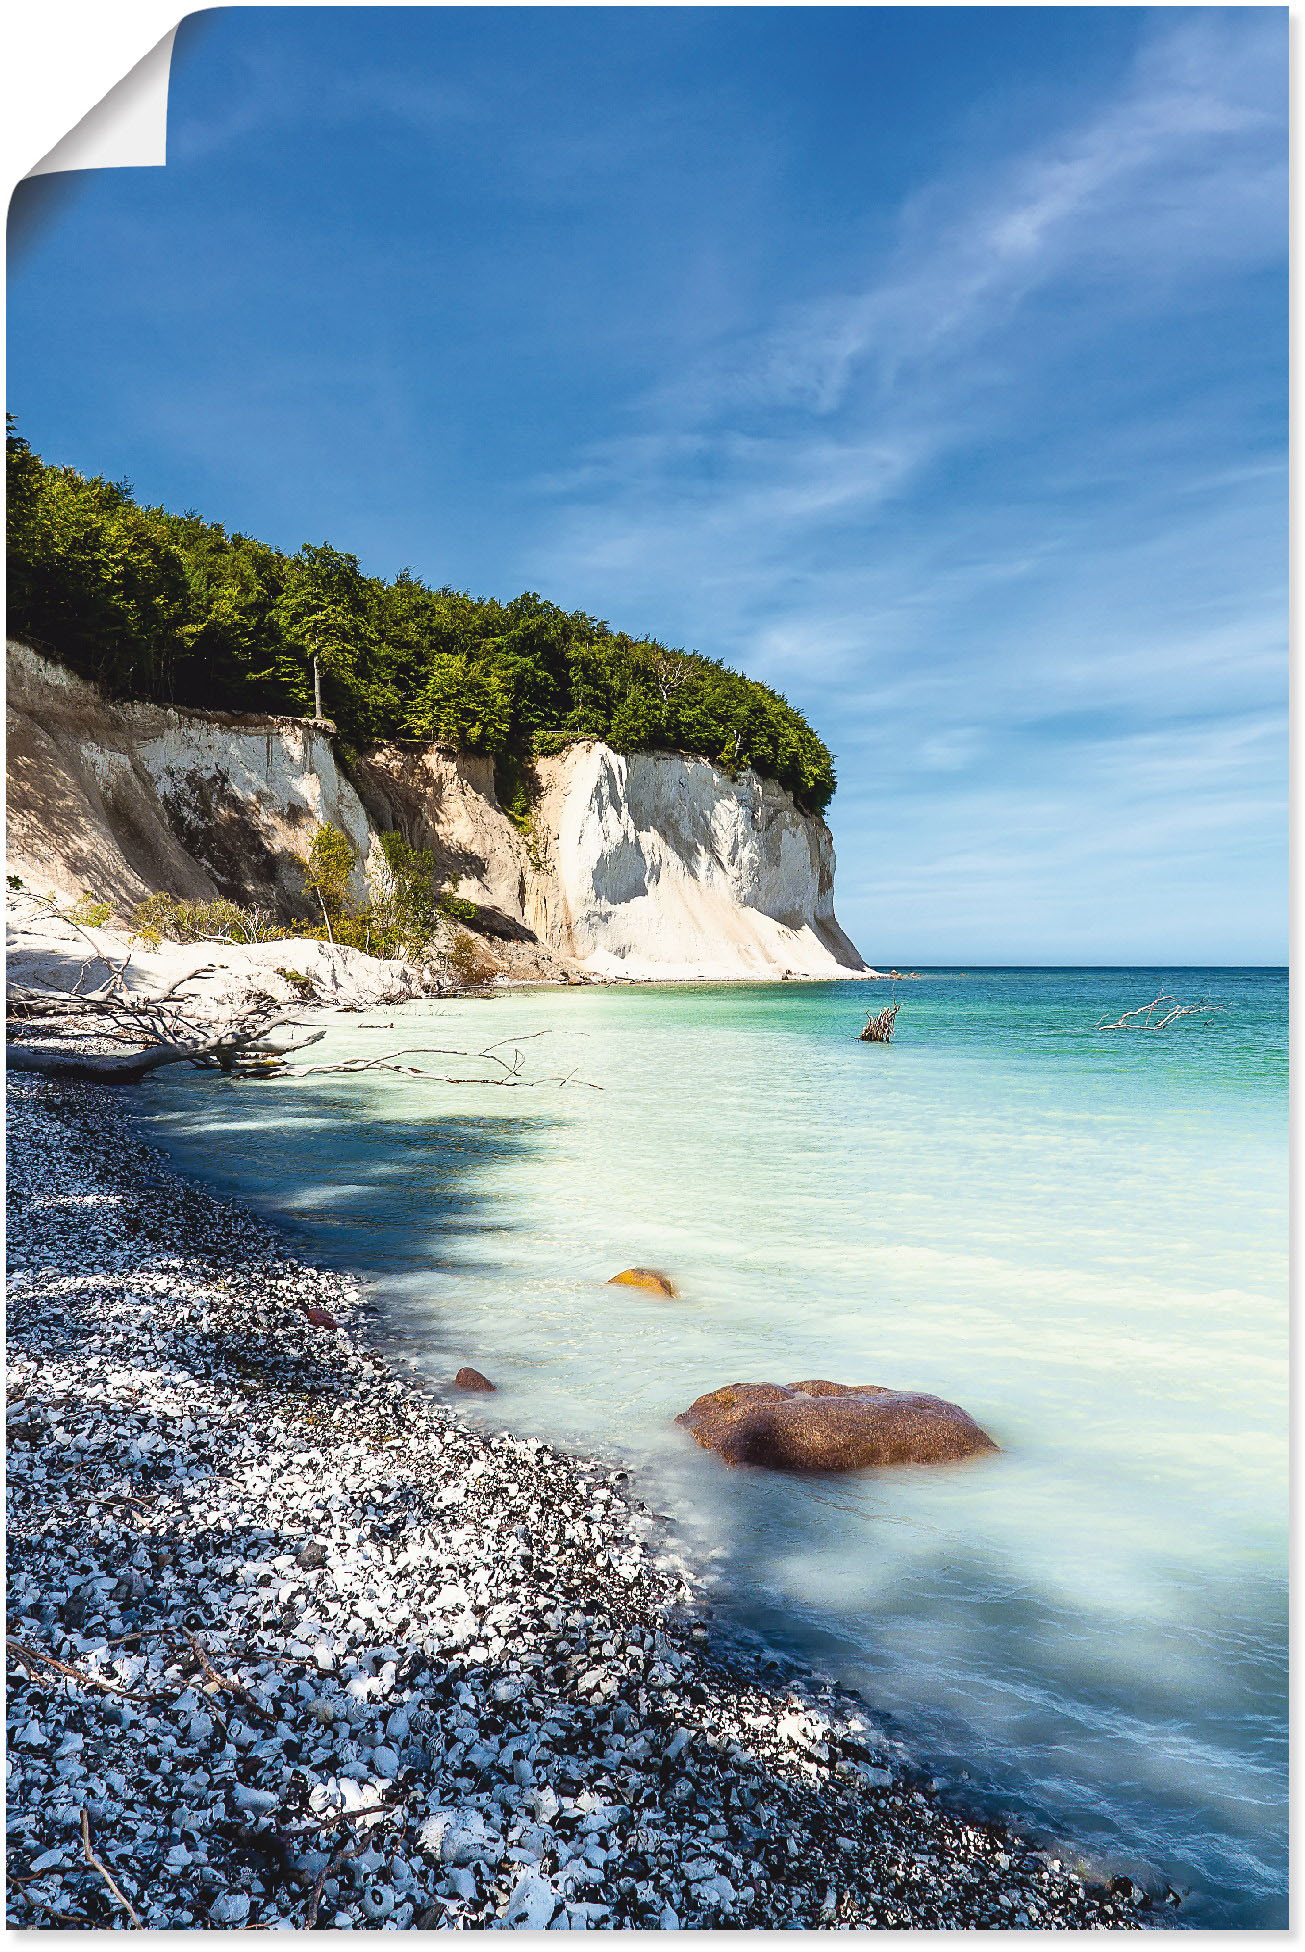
(819, 1426)
(472, 1379)
(650, 1278)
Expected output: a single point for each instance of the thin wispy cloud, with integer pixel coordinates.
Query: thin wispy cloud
(952, 501)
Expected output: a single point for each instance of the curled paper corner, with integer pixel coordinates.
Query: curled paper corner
(128, 129)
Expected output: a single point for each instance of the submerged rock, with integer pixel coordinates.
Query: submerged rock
(821, 1426)
(650, 1278)
(472, 1379)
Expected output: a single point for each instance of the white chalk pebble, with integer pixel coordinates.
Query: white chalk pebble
(232, 1908)
(531, 1904)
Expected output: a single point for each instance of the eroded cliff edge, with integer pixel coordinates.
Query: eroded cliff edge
(645, 865)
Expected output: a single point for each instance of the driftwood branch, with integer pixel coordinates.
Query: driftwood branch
(104, 1871)
(1170, 1011)
(510, 1069)
(879, 1030)
(102, 1067)
(251, 1039)
(116, 966)
(226, 1683)
(328, 1870)
(162, 1031)
(35, 1658)
(163, 1028)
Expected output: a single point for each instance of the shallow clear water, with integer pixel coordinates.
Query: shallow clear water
(1078, 1235)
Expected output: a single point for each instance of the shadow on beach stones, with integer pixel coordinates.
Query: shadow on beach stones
(371, 1196)
(380, 1197)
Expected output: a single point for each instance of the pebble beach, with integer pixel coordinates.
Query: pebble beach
(294, 1645)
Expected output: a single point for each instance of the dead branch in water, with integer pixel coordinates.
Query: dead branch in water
(879, 1030)
(1145, 1018)
(243, 1046)
(510, 1069)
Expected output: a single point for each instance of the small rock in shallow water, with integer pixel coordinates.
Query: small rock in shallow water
(649, 1278)
(472, 1379)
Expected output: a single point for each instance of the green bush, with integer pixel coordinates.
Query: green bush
(410, 905)
(160, 916)
(400, 919)
(329, 870)
(157, 605)
(297, 980)
(89, 911)
(469, 962)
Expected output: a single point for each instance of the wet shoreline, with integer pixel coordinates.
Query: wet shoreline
(341, 1657)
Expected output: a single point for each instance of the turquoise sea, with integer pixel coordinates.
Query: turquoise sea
(1078, 1234)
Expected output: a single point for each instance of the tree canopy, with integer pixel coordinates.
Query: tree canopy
(170, 607)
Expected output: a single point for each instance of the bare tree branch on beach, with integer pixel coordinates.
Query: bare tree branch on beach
(243, 1042)
(1171, 1011)
(46, 905)
(510, 1071)
(161, 1030)
(247, 1038)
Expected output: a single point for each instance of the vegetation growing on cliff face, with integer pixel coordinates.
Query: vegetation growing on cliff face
(170, 607)
(163, 916)
(400, 918)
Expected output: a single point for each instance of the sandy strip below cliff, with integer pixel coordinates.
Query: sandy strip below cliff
(48, 953)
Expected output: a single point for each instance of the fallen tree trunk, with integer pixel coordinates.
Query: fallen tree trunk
(106, 1068)
(95, 1067)
(241, 1038)
(158, 1032)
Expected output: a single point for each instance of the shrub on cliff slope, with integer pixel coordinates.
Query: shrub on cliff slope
(155, 605)
(402, 913)
(169, 916)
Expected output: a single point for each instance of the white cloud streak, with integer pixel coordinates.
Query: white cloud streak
(928, 510)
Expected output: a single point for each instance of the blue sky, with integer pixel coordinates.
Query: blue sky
(926, 363)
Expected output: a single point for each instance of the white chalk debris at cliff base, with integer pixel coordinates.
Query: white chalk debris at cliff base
(646, 865)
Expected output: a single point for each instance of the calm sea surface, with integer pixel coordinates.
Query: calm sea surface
(1079, 1235)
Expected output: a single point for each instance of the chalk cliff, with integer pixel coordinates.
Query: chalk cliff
(647, 865)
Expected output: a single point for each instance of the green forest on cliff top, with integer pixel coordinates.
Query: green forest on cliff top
(173, 608)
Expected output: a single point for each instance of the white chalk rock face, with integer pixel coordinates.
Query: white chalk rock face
(662, 866)
(129, 799)
(650, 865)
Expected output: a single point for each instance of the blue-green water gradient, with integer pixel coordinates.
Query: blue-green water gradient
(1078, 1234)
